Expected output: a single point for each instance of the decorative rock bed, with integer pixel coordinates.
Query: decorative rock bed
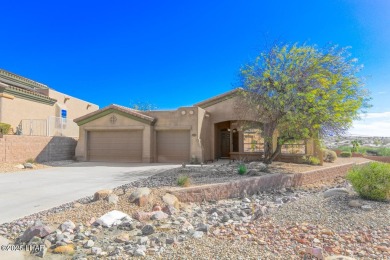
(275, 223)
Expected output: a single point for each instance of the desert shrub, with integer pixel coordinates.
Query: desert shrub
(384, 151)
(241, 169)
(346, 154)
(329, 155)
(355, 146)
(312, 160)
(184, 181)
(344, 148)
(30, 160)
(4, 128)
(378, 151)
(371, 181)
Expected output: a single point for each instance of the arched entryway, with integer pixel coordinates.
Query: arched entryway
(238, 140)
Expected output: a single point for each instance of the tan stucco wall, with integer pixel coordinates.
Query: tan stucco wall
(122, 123)
(16, 109)
(184, 118)
(75, 107)
(222, 112)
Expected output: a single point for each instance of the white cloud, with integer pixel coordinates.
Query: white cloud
(383, 115)
(372, 124)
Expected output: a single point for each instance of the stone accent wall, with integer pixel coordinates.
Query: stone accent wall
(16, 148)
(253, 185)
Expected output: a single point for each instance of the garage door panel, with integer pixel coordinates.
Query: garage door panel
(173, 146)
(115, 146)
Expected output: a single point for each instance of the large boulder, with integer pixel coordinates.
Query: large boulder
(19, 166)
(143, 216)
(28, 165)
(67, 225)
(122, 238)
(140, 196)
(112, 199)
(171, 200)
(35, 231)
(336, 192)
(111, 218)
(158, 215)
(148, 230)
(101, 194)
(67, 250)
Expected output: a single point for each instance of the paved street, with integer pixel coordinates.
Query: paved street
(25, 193)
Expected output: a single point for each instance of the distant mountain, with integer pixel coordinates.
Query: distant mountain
(372, 141)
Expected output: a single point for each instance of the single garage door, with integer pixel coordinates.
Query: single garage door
(173, 146)
(115, 146)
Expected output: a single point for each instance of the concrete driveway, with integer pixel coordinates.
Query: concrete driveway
(25, 193)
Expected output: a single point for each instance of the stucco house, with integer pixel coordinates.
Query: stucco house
(32, 108)
(206, 131)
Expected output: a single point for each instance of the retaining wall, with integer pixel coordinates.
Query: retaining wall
(17, 148)
(253, 185)
(385, 159)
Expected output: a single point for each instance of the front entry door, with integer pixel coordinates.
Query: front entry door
(225, 144)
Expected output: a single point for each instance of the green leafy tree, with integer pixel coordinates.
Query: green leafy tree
(355, 146)
(302, 91)
(143, 106)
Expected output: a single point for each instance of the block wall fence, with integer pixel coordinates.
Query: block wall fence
(18, 149)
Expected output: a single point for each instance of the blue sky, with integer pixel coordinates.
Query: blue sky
(177, 53)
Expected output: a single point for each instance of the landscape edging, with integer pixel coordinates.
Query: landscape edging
(250, 186)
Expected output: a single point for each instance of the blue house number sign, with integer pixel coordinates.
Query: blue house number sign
(63, 113)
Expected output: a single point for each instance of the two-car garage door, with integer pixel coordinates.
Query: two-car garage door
(115, 146)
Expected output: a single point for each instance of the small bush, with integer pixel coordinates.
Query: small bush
(30, 160)
(329, 155)
(346, 154)
(371, 181)
(242, 169)
(312, 160)
(184, 181)
(344, 148)
(384, 151)
(4, 128)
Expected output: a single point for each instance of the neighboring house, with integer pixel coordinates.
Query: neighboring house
(209, 130)
(32, 108)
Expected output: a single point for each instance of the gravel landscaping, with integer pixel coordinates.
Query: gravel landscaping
(19, 167)
(320, 220)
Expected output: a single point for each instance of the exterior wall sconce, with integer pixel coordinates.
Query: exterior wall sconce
(66, 99)
(88, 106)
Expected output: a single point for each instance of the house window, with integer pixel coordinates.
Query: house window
(294, 147)
(253, 142)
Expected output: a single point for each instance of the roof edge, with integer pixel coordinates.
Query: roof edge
(12, 78)
(124, 111)
(219, 98)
